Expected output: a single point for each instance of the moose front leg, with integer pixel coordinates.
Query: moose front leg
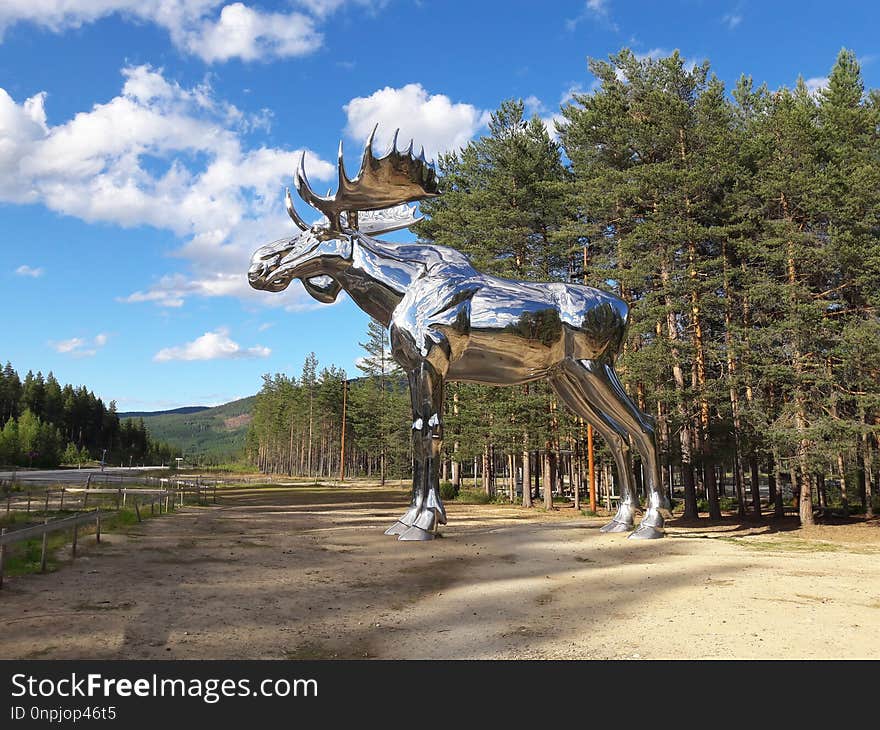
(426, 511)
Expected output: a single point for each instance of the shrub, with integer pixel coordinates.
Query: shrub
(447, 491)
(473, 496)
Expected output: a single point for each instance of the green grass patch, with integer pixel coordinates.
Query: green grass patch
(23, 558)
(473, 496)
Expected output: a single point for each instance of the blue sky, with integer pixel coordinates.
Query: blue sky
(145, 146)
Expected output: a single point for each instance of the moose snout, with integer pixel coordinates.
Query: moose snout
(257, 273)
(266, 261)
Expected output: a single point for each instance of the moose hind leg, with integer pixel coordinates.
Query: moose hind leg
(605, 390)
(571, 392)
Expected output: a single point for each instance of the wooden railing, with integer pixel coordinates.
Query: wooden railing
(160, 500)
(44, 530)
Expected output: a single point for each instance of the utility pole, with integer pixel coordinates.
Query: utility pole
(342, 440)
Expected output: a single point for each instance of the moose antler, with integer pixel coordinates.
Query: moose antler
(383, 182)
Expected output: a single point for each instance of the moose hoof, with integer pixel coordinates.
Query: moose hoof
(416, 533)
(398, 528)
(646, 532)
(615, 526)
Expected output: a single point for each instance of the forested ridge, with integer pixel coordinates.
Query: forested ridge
(742, 227)
(46, 424)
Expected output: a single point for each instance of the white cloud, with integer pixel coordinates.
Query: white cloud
(432, 121)
(211, 29)
(533, 105)
(248, 34)
(70, 345)
(215, 345)
(550, 121)
(598, 10)
(732, 20)
(33, 272)
(816, 84)
(80, 347)
(162, 155)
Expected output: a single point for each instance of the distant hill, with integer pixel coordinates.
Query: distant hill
(143, 414)
(205, 435)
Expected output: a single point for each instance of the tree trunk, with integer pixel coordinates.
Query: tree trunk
(511, 467)
(487, 482)
(738, 485)
(687, 470)
(527, 475)
(778, 504)
(548, 477)
(820, 491)
(538, 473)
(841, 472)
(805, 502)
(756, 485)
(868, 462)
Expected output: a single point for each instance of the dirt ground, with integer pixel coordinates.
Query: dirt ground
(306, 573)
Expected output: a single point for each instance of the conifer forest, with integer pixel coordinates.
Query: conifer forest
(742, 227)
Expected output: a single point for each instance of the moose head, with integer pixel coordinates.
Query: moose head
(373, 203)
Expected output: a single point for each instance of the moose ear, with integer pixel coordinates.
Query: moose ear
(323, 288)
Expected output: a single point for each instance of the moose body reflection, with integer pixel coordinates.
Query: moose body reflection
(450, 322)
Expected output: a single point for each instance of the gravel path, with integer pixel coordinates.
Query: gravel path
(305, 573)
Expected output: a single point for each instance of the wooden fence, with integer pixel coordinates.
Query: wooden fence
(44, 530)
(77, 498)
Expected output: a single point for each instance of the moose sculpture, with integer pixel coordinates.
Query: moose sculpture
(450, 322)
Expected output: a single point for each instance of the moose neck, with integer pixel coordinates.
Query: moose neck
(378, 276)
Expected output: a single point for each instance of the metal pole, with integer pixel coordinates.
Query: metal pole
(342, 440)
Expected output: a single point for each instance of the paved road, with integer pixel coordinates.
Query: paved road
(68, 475)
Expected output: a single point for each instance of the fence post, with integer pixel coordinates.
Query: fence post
(118, 498)
(86, 496)
(137, 510)
(29, 502)
(98, 526)
(8, 502)
(73, 544)
(46, 509)
(215, 493)
(45, 548)
(2, 555)
(61, 508)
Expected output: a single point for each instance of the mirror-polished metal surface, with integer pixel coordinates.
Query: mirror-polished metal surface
(450, 322)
